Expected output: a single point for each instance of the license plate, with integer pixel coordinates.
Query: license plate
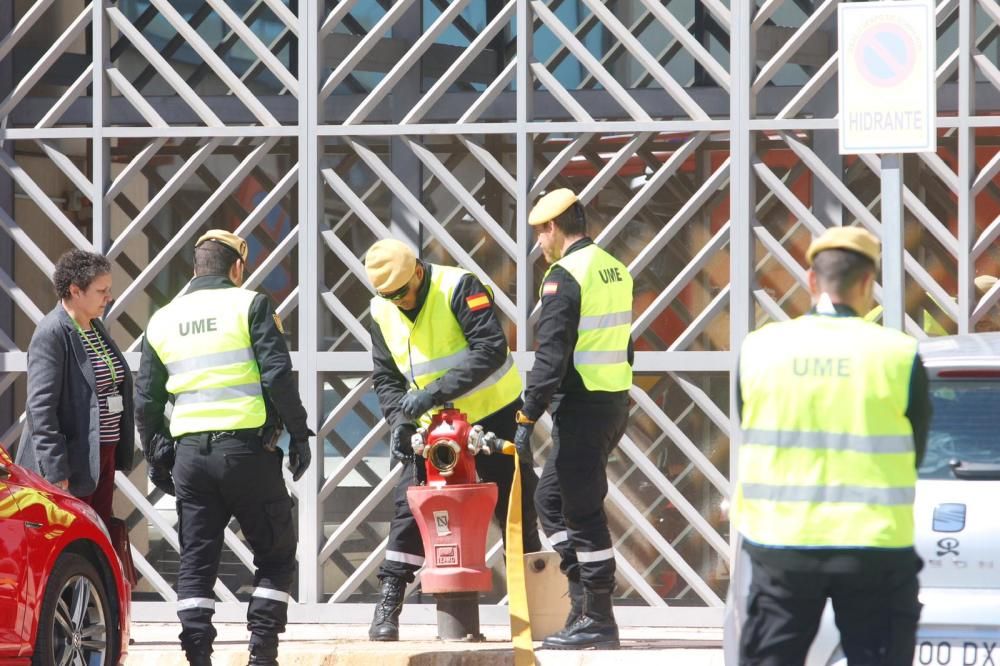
(957, 652)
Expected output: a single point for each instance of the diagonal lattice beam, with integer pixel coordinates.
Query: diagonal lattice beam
(684, 443)
(135, 98)
(163, 196)
(48, 59)
(617, 498)
(68, 168)
(350, 524)
(919, 210)
(188, 230)
(407, 62)
(133, 168)
(587, 59)
(253, 42)
(217, 64)
(457, 190)
(715, 307)
(163, 68)
(71, 94)
(34, 12)
(364, 47)
(42, 200)
(708, 189)
(692, 45)
(788, 49)
(477, 46)
(646, 59)
(715, 244)
(667, 171)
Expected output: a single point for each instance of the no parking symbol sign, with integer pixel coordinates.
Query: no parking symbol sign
(887, 83)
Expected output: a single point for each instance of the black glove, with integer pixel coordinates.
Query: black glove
(161, 463)
(416, 403)
(162, 478)
(522, 441)
(299, 455)
(400, 447)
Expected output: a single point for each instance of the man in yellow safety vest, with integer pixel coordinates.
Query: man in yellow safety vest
(835, 412)
(436, 339)
(217, 352)
(582, 374)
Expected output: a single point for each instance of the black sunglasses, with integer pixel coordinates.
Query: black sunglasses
(397, 295)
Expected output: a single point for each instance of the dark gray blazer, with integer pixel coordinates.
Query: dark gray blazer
(62, 438)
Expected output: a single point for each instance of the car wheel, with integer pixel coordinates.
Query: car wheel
(75, 627)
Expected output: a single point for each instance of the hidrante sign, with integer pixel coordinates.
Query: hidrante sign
(887, 83)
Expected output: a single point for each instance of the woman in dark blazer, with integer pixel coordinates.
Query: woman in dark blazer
(79, 424)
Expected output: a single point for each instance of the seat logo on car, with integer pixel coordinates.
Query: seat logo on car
(949, 518)
(950, 546)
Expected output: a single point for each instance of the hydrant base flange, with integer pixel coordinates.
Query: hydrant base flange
(458, 616)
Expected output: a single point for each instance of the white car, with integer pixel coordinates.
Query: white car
(956, 513)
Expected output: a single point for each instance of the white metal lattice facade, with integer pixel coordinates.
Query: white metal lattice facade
(700, 134)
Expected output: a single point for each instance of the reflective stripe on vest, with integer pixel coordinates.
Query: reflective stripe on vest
(425, 349)
(835, 441)
(203, 340)
(833, 494)
(827, 457)
(601, 352)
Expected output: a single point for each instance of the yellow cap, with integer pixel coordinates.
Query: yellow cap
(551, 206)
(855, 239)
(390, 264)
(227, 238)
(985, 282)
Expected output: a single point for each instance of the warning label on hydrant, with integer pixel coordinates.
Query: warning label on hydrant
(441, 523)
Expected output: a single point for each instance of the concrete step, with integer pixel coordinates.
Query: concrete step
(348, 645)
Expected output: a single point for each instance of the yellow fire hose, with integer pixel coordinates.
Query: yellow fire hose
(517, 591)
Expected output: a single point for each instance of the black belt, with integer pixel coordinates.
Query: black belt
(249, 435)
(205, 439)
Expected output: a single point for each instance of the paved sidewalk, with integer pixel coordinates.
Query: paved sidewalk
(327, 644)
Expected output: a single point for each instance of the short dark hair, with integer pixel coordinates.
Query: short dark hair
(572, 221)
(78, 267)
(839, 270)
(214, 258)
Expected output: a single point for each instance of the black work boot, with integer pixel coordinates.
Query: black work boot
(199, 658)
(595, 628)
(385, 624)
(575, 607)
(263, 656)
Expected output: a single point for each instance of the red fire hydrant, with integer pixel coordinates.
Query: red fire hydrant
(453, 513)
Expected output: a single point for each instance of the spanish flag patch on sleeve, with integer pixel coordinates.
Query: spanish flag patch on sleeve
(478, 301)
(550, 288)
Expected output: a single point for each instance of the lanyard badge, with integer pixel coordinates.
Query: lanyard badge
(104, 354)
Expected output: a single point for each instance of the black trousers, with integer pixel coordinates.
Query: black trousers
(876, 611)
(405, 551)
(573, 485)
(217, 479)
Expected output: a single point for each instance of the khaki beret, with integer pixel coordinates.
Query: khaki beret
(390, 264)
(227, 238)
(985, 282)
(855, 239)
(551, 206)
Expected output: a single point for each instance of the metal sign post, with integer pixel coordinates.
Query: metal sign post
(888, 102)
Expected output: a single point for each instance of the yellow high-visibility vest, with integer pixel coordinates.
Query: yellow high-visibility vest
(601, 352)
(203, 340)
(827, 458)
(930, 325)
(433, 344)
